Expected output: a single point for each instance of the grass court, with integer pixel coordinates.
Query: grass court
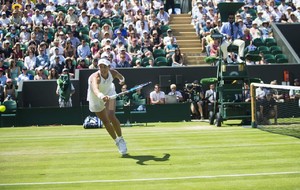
(166, 156)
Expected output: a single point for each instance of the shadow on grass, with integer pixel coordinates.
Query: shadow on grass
(283, 129)
(144, 158)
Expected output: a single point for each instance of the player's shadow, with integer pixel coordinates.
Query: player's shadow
(144, 158)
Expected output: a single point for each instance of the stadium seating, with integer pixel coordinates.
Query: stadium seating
(161, 61)
(258, 42)
(159, 53)
(281, 58)
(145, 61)
(276, 50)
(264, 50)
(270, 58)
(270, 42)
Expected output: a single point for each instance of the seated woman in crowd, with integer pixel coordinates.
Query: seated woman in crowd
(177, 58)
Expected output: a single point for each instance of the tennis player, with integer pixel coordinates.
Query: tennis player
(100, 88)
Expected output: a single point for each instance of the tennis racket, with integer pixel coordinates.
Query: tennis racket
(130, 90)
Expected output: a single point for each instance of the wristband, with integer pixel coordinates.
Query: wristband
(100, 96)
(123, 80)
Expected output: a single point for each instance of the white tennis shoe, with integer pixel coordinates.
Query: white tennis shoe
(120, 142)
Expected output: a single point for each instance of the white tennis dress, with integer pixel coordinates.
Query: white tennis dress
(106, 86)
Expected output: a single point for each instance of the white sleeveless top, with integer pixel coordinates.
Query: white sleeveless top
(106, 86)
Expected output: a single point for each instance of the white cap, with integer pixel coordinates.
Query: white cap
(104, 62)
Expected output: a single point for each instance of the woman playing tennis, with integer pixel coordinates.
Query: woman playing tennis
(100, 88)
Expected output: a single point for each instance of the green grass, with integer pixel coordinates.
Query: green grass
(165, 156)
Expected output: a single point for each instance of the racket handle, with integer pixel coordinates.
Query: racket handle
(113, 96)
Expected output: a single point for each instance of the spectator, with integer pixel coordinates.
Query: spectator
(177, 58)
(125, 97)
(106, 10)
(9, 90)
(60, 19)
(71, 18)
(81, 64)
(163, 16)
(175, 92)
(151, 63)
(48, 19)
(134, 49)
(83, 50)
(53, 75)
(170, 48)
(37, 18)
(69, 50)
(17, 53)
(75, 42)
(4, 20)
(57, 64)
(24, 76)
(24, 35)
(128, 18)
(94, 32)
(83, 19)
(3, 77)
(157, 41)
(157, 96)
(6, 49)
(167, 39)
(119, 38)
(40, 75)
(122, 62)
(94, 64)
(13, 71)
(69, 64)
(94, 12)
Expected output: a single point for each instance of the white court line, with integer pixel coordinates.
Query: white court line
(151, 179)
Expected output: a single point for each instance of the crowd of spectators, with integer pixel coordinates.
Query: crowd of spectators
(39, 39)
(251, 28)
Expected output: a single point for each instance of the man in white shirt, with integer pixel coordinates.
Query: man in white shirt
(157, 96)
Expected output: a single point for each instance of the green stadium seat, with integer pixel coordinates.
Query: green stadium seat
(161, 61)
(145, 61)
(117, 22)
(270, 42)
(270, 58)
(105, 21)
(164, 28)
(84, 30)
(61, 8)
(276, 50)
(258, 42)
(281, 58)
(264, 50)
(159, 53)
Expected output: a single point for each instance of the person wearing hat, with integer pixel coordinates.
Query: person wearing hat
(267, 110)
(16, 18)
(37, 18)
(9, 91)
(162, 16)
(71, 18)
(106, 28)
(101, 90)
(260, 18)
(48, 18)
(65, 89)
(7, 50)
(24, 76)
(106, 9)
(40, 75)
(167, 39)
(4, 20)
(83, 19)
(119, 38)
